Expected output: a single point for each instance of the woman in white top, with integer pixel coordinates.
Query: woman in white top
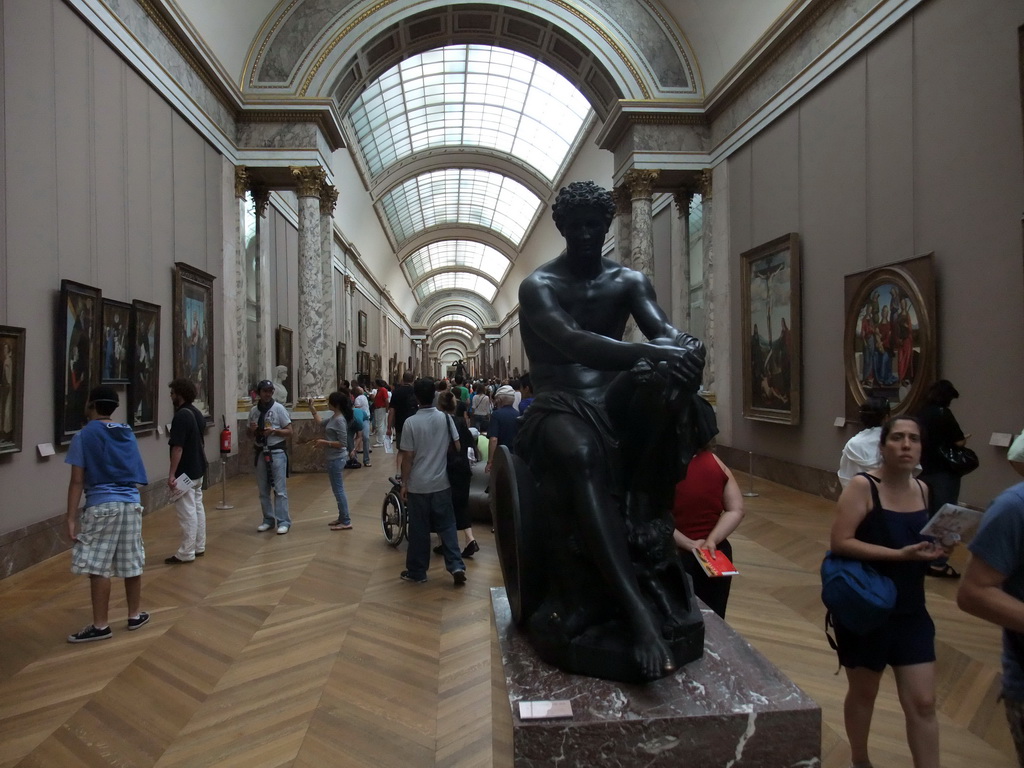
(861, 453)
(482, 408)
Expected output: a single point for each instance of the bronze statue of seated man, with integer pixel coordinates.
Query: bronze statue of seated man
(583, 509)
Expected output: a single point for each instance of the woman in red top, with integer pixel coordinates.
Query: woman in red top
(708, 507)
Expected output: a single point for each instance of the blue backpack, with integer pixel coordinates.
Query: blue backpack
(855, 594)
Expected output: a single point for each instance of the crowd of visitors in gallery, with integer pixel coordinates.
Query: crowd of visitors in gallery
(896, 474)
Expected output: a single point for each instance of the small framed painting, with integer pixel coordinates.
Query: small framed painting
(79, 328)
(145, 365)
(116, 322)
(12, 387)
(362, 328)
(283, 357)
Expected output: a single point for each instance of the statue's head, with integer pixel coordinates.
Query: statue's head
(584, 195)
(281, 372)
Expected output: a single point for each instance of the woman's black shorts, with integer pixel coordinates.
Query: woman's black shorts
(903, 640)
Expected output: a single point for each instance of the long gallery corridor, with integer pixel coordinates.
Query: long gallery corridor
(307, 649)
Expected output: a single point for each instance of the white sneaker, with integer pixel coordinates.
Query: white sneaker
(282, 529)
(264, 527)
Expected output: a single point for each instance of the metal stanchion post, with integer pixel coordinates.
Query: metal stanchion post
(224, 485)
(750, 473)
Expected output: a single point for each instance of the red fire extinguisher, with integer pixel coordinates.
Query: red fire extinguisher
(225, 437)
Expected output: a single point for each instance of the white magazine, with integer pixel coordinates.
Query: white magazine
(953, 524)
(183, 484)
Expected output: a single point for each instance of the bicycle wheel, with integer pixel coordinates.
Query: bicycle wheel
(392, 519)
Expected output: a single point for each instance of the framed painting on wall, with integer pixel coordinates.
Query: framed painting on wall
(362, 328)
(12, 387)
(770, 285)
(79, 327)
(283, 356)
(116, 319)
(339, 359)
(145, 365)
(889, 343)
(193, 333)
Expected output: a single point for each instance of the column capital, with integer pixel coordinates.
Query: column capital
(241, 181)
(682, 199)
(261, 197)
(623, 204)
(350, 285)
(705, 183)
(640, 182)
(309, 179)
(328, 199)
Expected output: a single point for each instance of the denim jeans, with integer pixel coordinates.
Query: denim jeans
(432, 511)
(279, 509)
(334, 474)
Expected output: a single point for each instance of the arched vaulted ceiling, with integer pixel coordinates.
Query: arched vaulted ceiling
(506, 91)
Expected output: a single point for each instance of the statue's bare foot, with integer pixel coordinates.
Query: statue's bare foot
(652, 655)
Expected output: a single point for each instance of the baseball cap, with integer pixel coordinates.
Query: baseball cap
(505, 390)
(104, 394)
(265, 384)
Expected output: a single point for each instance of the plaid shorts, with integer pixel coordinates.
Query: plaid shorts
(110, 541)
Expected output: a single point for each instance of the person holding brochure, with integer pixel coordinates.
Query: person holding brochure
(188, 466)
(708, 508)
(879, 520)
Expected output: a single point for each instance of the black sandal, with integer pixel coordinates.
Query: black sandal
(945, 571)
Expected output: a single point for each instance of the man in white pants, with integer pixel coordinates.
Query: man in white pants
(188, 457)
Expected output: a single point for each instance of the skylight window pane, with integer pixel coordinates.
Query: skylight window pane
(460, 196)
(447, 255)
(469, 93)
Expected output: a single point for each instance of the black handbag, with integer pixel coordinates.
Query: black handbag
(458, 464)
(959, 459)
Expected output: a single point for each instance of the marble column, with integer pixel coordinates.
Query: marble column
(623, 225)
(425, 359)
(309, 180)
(639, 185)
(709, 295)
(641, 190)
(328, 199)
(681, 260)
(239, 319)
(264, 332)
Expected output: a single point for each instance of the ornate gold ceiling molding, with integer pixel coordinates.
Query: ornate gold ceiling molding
(328, 49)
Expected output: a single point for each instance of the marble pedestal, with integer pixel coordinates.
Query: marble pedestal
(730, 708)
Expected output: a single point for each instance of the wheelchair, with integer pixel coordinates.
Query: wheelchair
(394, 520)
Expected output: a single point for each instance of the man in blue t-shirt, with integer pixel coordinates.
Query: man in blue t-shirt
(993, 589)
(504, 425)
(107, 533)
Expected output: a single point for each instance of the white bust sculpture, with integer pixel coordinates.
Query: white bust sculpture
(280, 393)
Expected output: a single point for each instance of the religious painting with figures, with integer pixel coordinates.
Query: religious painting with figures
(889, 342)
(770, 282)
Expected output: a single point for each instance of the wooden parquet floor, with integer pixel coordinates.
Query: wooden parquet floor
(308, 650)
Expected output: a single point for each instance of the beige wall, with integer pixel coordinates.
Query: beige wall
(914, 146)
(106, 185)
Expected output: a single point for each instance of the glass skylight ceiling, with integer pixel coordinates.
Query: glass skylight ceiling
(460, 196)
(474, 95)
(446, 254)
(443, 281)
(446, 329)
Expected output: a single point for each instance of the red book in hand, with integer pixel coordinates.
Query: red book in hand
(716, 564)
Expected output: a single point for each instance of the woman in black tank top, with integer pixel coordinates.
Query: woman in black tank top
(879, 520)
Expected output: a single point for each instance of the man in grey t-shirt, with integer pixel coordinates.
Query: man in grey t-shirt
(426, 491)
(993, 588)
